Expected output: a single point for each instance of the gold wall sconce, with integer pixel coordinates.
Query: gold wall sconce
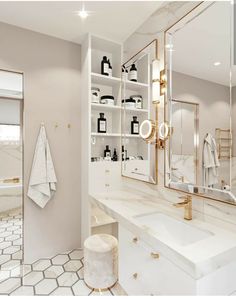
(162, 82)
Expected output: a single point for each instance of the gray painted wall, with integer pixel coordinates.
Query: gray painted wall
(52, 94)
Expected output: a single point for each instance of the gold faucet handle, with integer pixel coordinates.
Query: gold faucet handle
(187, 198)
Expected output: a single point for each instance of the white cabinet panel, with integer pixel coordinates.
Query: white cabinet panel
(140, 273)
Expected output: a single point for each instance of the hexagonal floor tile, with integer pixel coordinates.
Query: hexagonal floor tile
(53, 271)
(41, 265)
(45, 286)
(9, 285)
(18, 241)
(12, 228)
(17, 255)
(5, 234)
(4, 258)
(10, 265)
(67, 279)
(23, 291)
(81, 289)
(12, 238)
(76, 254)
(4, 245)
(73, 265)
(32, 278)
(60, 259)
(62, 291)
(81, 273)
(11, 249)
(4, 275)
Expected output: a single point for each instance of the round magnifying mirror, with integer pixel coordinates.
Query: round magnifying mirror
(147, 130)
(164, 131)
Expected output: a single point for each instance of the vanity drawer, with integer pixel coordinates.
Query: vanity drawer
(144, 271)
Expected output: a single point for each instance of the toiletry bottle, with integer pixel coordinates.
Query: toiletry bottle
(134, 125)
(105, 66)
(107, 152)
(110, 68)
(115, 156)
(102, 124)
(124, 153)
(124, 74)
(133, 73)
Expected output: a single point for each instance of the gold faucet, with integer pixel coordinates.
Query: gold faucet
(187, 204)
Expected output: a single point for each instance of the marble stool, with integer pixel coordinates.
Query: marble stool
(100, 261)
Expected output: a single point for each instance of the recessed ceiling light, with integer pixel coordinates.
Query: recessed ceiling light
(83, 14)
(217, 63)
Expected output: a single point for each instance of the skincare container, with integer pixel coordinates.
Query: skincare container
(108, 100)
(138, 101)
(110, 68)
(135, 126)
(129, 103)
(102, 124)
(95, 95)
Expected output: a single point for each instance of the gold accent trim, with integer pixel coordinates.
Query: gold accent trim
(155, 255)
(135, 275)
(100, 290)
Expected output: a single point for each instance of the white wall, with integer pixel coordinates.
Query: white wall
(52, 94)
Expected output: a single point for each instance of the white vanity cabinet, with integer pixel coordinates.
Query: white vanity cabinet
(145, 271)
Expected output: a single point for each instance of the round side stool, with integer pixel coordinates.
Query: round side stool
(100, 261)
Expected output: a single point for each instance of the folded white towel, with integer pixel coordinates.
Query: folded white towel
(42, 184)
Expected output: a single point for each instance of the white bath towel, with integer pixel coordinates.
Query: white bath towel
(42, 184)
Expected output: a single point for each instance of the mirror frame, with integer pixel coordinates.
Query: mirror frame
(22, 113)
(156, 110)
(166, 104)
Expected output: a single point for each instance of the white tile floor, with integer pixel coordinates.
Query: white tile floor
(61, 275)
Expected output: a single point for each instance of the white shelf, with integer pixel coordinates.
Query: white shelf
(114, 135)
(104, 107)
(115, 107)
(135, 110)
(105, 80)
(137, 86)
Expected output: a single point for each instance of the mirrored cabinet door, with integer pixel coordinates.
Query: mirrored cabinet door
(200, 103)
(139, 156)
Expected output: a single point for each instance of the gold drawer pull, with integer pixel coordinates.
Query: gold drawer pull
(107, 185)
(135, 240)
(107, 171)
(135, 275)
(155, 255)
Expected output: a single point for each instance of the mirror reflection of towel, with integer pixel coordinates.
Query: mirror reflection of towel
(210, 161)
(42, 184)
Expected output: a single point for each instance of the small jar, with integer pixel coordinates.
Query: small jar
(107, 100)
(138, 101)
(95, 95)
(128, 103)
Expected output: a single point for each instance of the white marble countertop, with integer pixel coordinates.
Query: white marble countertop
(197, 259)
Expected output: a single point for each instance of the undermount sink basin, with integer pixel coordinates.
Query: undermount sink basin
(179, 232)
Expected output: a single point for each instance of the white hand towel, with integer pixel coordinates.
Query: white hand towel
(42, 184)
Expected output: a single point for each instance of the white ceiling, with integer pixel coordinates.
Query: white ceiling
(203, 41)
(114, 20)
